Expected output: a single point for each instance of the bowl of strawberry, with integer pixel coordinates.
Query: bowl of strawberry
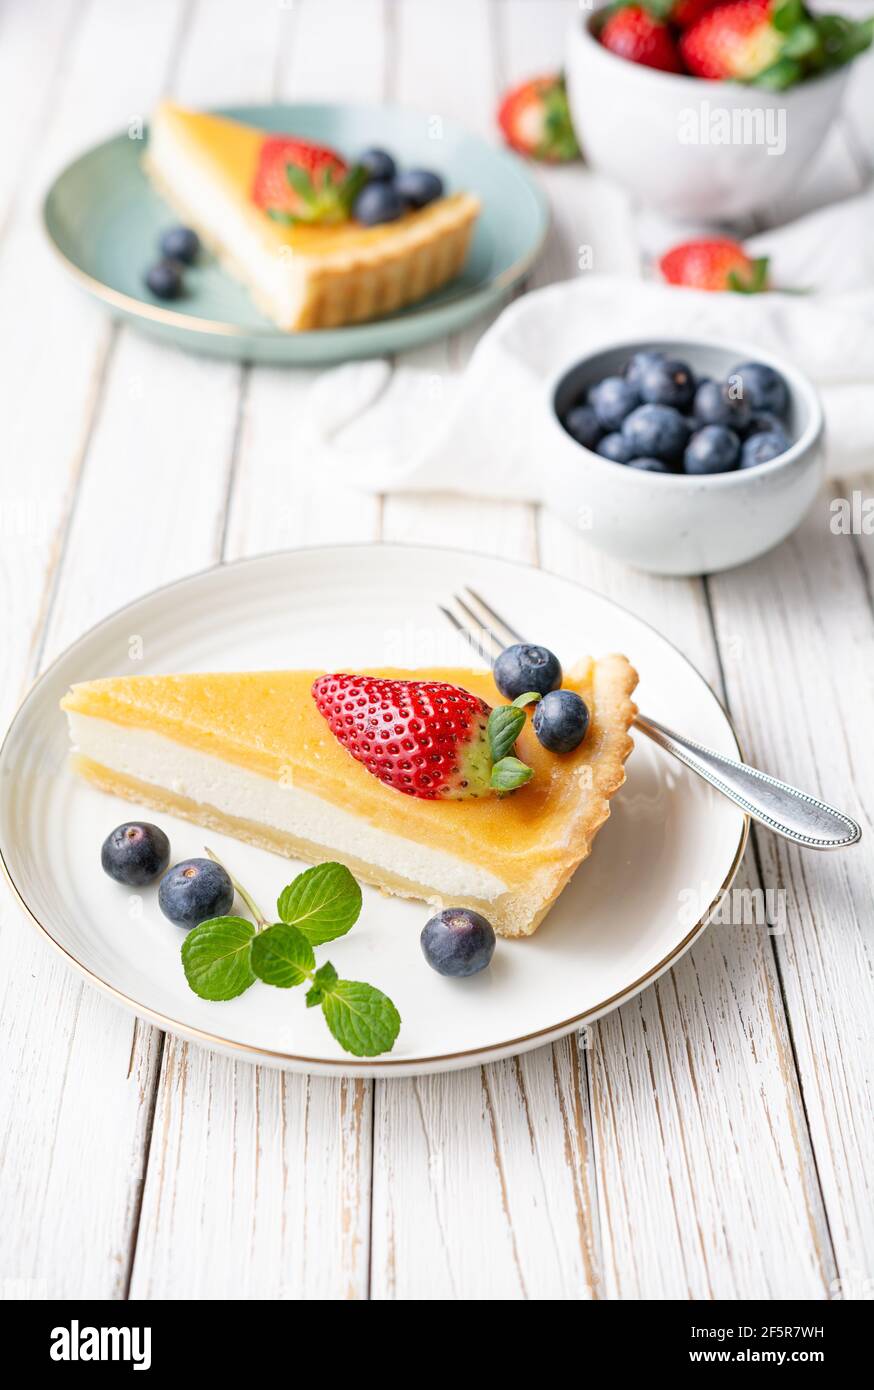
(707, 109)
(683, 457)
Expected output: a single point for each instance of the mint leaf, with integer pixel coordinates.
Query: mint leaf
(504, 727)
(510, 773)
(323, 980)
(282, 956)
(323, 902)
(529, 698)
(216, 957)
(363, 1020)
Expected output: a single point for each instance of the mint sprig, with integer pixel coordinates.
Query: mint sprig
(225, 955)
(282, 956)
(363, 1020)
(216, 957)
(502, 729)
(323, 902)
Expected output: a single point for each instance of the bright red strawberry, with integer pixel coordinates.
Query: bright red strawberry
(296, 181)
(715, 264)
(634, 34)
(685, 12)
(535, 120)
(736, 40)
(424, 738)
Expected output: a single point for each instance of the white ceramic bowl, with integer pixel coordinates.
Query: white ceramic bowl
(645, 128)
(671, 523)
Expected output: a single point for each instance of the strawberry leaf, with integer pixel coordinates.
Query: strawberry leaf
(301, 182)
(753, 283)
(787, 15)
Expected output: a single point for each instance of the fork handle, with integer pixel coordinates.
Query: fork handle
(783, 809)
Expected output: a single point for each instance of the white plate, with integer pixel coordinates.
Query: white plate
(657, 867)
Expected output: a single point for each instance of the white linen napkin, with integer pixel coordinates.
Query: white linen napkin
(482, 432)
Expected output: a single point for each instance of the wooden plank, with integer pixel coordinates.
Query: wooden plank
(799, 684)
(33, 47)
(516, 1133)
(259, 1183)
(706, 1183)
(77, 1076)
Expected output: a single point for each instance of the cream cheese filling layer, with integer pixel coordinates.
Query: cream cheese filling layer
(235, 791)
(270, 271)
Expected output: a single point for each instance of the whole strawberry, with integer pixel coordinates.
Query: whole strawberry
(685, 12)
(535, 120)
(425, 738)
(296, 181)
(716, 263)
(633, 33)
(737, 40)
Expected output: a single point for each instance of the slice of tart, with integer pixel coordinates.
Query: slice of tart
(255, 756)
(277, 211)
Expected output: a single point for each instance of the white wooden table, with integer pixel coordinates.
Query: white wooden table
(712, 1139)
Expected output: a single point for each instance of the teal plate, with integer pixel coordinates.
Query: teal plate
(104, 219)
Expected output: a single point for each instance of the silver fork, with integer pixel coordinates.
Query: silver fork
(787, 811)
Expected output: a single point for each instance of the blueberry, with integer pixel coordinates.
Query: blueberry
(612, 399)
(765, 424)
(377, 202)
(616, 447)
(651, 465)
(194, 891)
(719, 403)
(763, 388)
(458, 942)
(180, 244)
(560, 721)
(635, 365)
(165, 279)
(759, 448)
(135, 853)
(418, 187)
(522, 668)
(378, 163)
(582, 423)
(669, 382)
(656, 431)
(713, 449)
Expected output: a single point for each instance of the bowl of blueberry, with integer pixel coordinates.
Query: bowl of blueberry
(684, 457)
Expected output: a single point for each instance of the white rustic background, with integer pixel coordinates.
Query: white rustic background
(714, 1139)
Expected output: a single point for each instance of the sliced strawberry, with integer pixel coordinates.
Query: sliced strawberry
(737, 40)
(425, 738)
(296, 181)
(535, 120)
(715, 264)
(633, 33)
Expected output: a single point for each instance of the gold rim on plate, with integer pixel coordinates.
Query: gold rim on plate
(342, 1065)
